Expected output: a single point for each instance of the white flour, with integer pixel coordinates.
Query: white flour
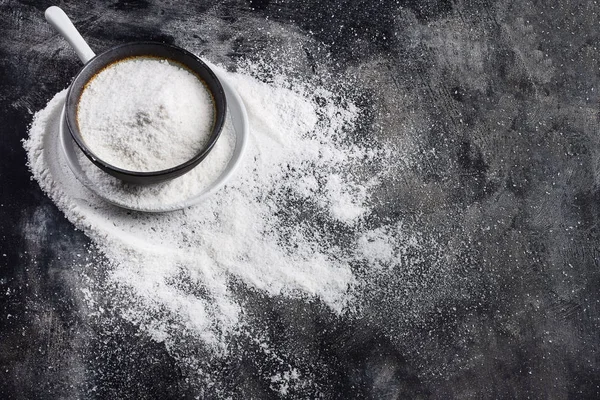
(171, 273)
(145, 114)
(164, 194)
(300, 220)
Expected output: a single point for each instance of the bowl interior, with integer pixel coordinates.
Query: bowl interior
(153, 50)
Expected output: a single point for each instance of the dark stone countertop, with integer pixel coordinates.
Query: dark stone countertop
(508, 96)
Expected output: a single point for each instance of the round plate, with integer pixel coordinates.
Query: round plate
(239, 119)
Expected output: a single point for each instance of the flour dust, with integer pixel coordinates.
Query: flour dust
(295, 222)
(180, 264)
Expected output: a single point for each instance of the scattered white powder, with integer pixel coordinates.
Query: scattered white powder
(346, 199)
(145, 114)
(173, 274)
(236, 234)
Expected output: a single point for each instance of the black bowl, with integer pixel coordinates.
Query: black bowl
(146, 49)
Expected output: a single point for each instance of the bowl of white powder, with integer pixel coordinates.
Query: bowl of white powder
(145, 112)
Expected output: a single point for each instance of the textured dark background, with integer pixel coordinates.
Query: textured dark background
(503, 102)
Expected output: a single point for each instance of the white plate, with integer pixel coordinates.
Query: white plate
(239, 119)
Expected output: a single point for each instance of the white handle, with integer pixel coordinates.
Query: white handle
(59, 20)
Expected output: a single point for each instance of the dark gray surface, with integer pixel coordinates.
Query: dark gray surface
(500, 103)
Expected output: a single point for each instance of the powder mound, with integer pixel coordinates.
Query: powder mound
(163, 195)
(145, 114)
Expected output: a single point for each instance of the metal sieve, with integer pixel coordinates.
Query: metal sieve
(93, 64)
